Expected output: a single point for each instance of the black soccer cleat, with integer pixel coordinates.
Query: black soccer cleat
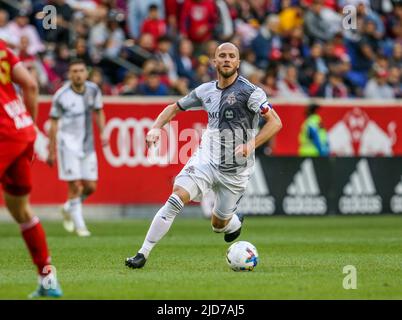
(229, 237)
(136, 262)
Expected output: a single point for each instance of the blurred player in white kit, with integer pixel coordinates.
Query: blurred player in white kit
(72, 131)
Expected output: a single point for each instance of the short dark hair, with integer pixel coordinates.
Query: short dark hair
(76, 61)
(153, 7)
(164, 38)
(312, 108)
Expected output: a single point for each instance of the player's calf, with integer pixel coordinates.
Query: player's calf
(231, 227)
(159, 227)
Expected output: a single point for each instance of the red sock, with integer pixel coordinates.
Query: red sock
(35, 239)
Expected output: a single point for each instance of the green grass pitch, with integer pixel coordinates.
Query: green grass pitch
(300, 258)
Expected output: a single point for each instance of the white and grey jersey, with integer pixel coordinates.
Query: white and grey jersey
(74, 111)
(233, 114)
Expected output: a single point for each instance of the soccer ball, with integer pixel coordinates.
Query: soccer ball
(242, 256)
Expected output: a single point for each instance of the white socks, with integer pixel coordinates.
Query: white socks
(74, 207)
(233, 225)
(161, 223)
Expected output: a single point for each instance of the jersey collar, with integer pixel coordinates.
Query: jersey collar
(217, 87)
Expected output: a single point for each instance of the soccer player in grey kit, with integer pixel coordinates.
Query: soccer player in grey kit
(225, 159)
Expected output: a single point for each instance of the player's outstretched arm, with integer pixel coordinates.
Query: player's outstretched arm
(100, 122)
(272, 126)
(164, 117)
(29, 86)
(52, 142)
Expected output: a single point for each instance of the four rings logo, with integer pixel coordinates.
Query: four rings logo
(127, 144)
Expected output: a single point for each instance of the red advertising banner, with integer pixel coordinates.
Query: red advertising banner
(128, 176)
(353, 130)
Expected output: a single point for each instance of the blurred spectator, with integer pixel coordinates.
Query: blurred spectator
(96, 76)
(62, 61)
(224, 28)
(316, 27)
(20, 27)
(138, 12)
(154, 25)
(198, 20)
(49, 64)
(129, 86)
(395, 22)
(81, 51)
(115, 36)
(201, 73)
(98, 36)
(378, 88)
(256, 77)
(313, 64)
(335, 88)
(289, 86)
(247, 65)
(395, 81)
(5, 32)
(367, 47)
(267, 44)
(23, 53)
(163, 54)
(185, 62)
(290, 17)
(364, 11)
(173, 9)
(64, 19)
(317, 86)
(152, 86)
(396, 59)
(269, 84)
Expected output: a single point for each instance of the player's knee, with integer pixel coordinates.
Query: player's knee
(17, 191)
(75, 189)
(218, 225)
(89, 189)
(23, 215)
(182, 194)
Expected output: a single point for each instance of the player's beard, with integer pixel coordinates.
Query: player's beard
(227, 74)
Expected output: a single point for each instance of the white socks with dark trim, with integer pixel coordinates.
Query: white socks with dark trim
(161, 223)
(233, 225)
(74, 207)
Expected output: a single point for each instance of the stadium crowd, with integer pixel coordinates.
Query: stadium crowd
(290, 48)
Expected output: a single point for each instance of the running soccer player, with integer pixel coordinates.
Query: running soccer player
(71, 125)
(224, 161)
(17, 137)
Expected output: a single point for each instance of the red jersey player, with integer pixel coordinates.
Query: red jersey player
(17, 136)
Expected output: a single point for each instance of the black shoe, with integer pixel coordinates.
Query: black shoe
(229, 237)
(136, 262)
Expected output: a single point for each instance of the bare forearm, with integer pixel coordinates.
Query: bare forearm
(271, 127)
(29, 87)
(165, 116)
(52, 136)
(100, 120)
(31, 101)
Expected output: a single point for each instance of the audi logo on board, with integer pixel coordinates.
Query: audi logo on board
(129, 148)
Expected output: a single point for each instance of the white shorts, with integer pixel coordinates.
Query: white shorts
(198, 178)
(73, 167)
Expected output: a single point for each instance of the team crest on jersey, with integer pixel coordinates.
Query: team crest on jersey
(229, 114)
(231, 99)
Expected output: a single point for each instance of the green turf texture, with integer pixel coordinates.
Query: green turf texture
(300, 258)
